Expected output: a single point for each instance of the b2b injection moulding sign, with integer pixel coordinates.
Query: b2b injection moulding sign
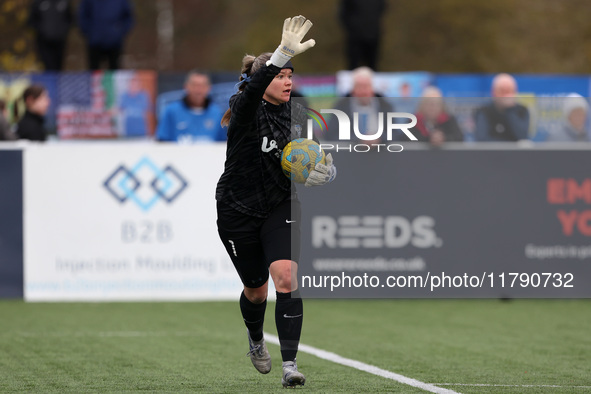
(124, 221)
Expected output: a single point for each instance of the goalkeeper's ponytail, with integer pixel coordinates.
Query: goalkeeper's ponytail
(250, 65)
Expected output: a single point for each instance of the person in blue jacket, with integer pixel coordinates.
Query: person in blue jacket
(135, 106)
(105, 24)
(195, 117)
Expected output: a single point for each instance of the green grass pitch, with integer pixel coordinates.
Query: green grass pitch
(511, 347)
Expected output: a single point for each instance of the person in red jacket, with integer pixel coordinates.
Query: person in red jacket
(434, 123)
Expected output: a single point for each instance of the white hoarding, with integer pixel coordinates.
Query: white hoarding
(113, 221)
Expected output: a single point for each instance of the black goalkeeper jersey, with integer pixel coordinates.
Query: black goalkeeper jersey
(253, 182)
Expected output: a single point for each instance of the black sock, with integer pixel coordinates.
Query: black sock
(254, 317)
(289, 314)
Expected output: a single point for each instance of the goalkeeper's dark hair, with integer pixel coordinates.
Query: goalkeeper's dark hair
(250, 65)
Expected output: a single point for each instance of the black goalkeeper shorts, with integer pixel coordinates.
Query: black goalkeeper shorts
(254, 243)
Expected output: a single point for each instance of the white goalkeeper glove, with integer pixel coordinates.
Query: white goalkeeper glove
(322, 173)
(294, 30)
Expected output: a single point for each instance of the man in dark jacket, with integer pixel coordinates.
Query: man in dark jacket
(502, 119)
(51, 20)
(367, 104)
(105, 24)
(361, 20)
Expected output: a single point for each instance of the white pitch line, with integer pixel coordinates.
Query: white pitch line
(323, 354)
(335, 358)
(512, 385)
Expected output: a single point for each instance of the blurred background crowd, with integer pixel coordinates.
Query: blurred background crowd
(470, 71)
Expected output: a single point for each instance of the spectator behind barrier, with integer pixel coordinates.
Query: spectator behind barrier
(32, 124)
(105, 24)
(361, 20)
(364, 101)
(193, 118)
(434, 123)
(6, 133)
(573, 128)
(51, 20)
(502, 119)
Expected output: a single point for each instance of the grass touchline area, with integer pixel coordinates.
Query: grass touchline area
(472, 346)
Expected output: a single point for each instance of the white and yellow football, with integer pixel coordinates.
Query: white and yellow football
(300, 157)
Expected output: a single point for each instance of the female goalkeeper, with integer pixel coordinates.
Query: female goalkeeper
(258, 210)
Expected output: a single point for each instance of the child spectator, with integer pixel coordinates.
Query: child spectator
(502, 119)
(31, 126)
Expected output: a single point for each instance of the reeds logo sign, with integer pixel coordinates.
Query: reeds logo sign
(371, 232)
(349, 131)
